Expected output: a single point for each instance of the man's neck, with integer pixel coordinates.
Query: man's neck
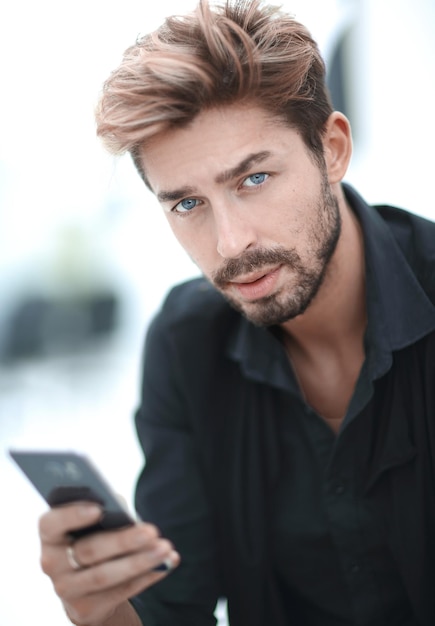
(325, 344)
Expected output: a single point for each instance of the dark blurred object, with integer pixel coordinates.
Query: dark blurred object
(340, 73)
(38, 326)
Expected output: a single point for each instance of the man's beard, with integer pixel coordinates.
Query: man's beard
(288, 302)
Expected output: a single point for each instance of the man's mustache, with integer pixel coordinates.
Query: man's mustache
(252, 261)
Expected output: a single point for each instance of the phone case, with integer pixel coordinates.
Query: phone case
(64, 477)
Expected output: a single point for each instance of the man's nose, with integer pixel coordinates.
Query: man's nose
(234, 231)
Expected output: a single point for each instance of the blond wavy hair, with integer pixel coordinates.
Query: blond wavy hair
(239, 51)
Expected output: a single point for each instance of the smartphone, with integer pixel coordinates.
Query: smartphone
(65, 477)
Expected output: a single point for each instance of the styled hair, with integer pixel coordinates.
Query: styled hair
(236, 52)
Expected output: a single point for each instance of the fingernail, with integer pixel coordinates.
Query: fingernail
(163, 567)
(168, 564)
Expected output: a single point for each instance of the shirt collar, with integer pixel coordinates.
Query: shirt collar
(399, 311)
(261, 356)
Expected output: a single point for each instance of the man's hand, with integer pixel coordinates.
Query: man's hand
(106, 568)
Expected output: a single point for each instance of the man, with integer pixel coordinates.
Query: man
(288, 399)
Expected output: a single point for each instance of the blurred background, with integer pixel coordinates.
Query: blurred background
(85, 254)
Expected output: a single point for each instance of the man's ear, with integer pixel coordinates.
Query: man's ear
(337, 142)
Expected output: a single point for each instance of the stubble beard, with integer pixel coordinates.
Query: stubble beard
(294, 299)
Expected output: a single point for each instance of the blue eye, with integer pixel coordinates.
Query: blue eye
(255, 179)
(186, 205)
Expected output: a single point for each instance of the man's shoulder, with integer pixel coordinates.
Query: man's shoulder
(415, 236)
(407, 226)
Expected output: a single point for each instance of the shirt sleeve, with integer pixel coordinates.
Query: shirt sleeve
(170, 491)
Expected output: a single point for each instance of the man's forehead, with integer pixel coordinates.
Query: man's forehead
(224, 120)
(224, 143)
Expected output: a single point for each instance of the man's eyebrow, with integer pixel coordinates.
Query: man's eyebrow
(175, 194)
(243, 166)
(234, 172)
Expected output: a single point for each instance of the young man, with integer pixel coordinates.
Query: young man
(288, 401)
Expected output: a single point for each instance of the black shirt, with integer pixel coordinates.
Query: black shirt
(220, 414)
(330, 553)
(328, 542)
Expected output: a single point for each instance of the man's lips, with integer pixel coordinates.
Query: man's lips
(258, 285)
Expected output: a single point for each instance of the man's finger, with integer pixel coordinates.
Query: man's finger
(55, 525)
(108, 545)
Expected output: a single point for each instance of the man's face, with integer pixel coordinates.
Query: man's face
(250, 206)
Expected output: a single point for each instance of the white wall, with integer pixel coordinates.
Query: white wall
(55, 175)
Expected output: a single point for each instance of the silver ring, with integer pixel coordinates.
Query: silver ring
(72, 559)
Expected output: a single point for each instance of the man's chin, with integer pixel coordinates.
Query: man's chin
(263, 312)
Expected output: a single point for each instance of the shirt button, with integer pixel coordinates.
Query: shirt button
(339, 489)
